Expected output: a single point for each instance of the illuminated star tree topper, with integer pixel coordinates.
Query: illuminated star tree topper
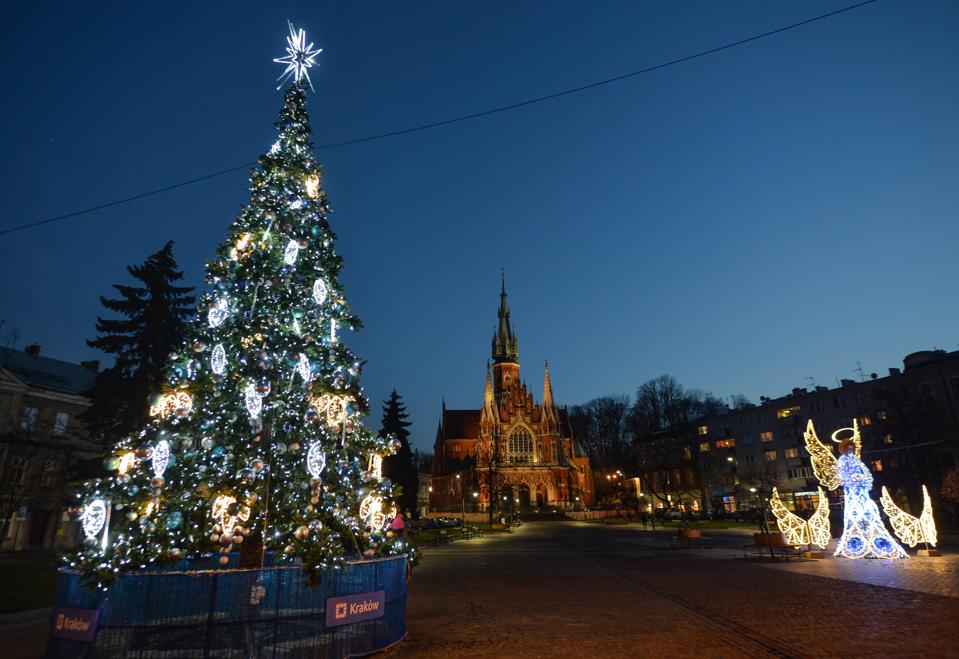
(300, 57)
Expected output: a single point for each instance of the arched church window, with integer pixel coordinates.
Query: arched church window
(520, 446)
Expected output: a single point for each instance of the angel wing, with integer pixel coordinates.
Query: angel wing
(911, 530)
(792, 526)
(819, 533)
(824, 463)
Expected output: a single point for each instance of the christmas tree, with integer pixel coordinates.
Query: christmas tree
(256, 442)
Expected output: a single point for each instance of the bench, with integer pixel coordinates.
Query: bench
(771, 545)
(689, 538)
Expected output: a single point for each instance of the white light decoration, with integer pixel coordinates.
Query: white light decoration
(296, 327)
(315, 460)
(275, 148)
(799, 531)
(303, 368)
(94, 518)
(179, 403)
(911, 530)
(299, 59)
(371, 510)
(375, 466)
(161, 458)
(253, 401)
(218, 312)
(291, 252)
(218, 359)
(333, 330)
(220, 511)
(320, 291)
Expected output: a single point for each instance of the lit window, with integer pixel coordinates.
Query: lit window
(865, 420)
(769, 456)
(702, 430)
(725, 443)
(29, 419)
(688, 454)
(787, 412)
(520, 446)
(887, 439)
(704, 447)
(766, 436)
(877, 465)
(60, 423)
(791, 453)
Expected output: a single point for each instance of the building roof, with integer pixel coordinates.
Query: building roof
(461, 424)
(46, 373)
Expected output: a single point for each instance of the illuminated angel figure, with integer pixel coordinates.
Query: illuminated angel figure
(799, 531)
(911, 530)
(864, 535)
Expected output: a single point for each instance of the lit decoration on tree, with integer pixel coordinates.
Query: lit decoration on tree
(290, 252)
(799, 531)
(125, 461)
(303, 368)
(299, 58)
(320, 291)
(375, 466)
(315, 460)
(238, 437)
(178, 403)
(336, 408)
(312, 185)
(372, 510)
(218, 312)
(218, 359)
(911, 530)
(94, 518)
(864, 535)
(160, 458)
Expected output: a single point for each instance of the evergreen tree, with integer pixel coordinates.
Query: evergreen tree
(256, 438)
(399, 468)
(154, 321)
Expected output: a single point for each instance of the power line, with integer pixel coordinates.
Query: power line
(454, 120)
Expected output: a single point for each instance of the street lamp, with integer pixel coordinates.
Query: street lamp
(462, 501)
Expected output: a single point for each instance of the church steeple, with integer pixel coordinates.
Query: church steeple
(505, 343)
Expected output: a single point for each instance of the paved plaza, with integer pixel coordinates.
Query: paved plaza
(569, 589)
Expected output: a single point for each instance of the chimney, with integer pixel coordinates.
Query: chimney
(895, 371)
(33, 349)
(847, 383)
(93, 365)
(821, 388)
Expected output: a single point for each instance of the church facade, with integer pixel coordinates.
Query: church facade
(512, 452)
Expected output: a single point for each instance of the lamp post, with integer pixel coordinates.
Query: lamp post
(462, 501)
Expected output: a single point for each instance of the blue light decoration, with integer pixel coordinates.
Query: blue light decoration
(864, 535)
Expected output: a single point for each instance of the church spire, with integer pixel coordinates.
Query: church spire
(549, 407)
(505, 344)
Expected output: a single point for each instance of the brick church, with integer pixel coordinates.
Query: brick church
(520, 449)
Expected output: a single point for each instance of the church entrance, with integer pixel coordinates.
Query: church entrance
(541, 496)
(524, 498)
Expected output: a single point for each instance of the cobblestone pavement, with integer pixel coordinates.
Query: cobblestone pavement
(584, 590)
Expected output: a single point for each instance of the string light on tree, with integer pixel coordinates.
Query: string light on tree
(315, 460)
(320, 291)
(161, 458)
(303, 368)
(178, 403)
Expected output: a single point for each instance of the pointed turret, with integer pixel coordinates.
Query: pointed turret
(549, 408)
(505, 343)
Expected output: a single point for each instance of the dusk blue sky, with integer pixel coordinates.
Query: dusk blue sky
(744, 221)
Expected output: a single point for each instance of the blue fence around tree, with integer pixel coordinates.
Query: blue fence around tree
(262, 613)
